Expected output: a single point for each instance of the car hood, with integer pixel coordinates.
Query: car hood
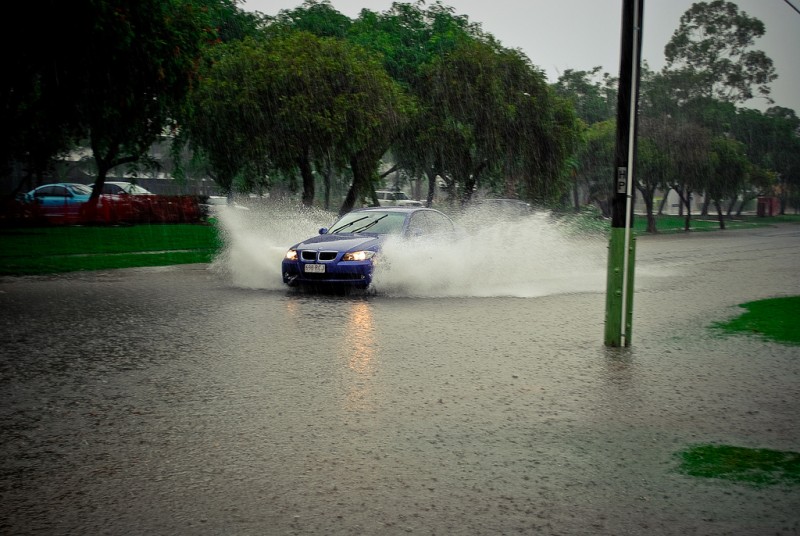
(341, 242)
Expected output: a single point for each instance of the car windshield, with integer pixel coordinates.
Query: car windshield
(370, 221)
(80, 189)
(135, 189)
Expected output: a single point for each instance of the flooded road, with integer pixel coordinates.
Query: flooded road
(176, 401)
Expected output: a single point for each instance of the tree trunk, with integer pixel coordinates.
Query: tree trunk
(688, 225)
(720, 214)
(730, 206)
(745, 199)
(362, 168)
(471, 182)
(663, 202)
(327, 187)
(651, 218)
(431, 186)
(576, 199)
(647, 196)
(706, 203)
(686, 200)
(304, 163)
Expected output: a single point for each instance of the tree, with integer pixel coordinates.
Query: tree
(409, 39)
(687, 146)
(293, 98)
(595, 163)
(729, 167)
(772, 139)
(653, 162)
(314, 16)
(119, 74)
(712, 48)
(593, 98)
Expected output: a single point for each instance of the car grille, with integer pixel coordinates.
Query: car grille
(333, 277)
(313, 256)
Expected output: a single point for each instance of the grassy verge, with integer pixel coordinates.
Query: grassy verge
(773, 319)
(589, 222)
(759, 467)
(675, 224)
(46, 250)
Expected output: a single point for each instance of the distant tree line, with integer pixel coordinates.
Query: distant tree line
(312, 99)
(693, 138)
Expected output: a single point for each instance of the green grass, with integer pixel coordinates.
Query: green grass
(773, 319)
(46, 250)
(589, 222)
(759, 467)
(675, 224)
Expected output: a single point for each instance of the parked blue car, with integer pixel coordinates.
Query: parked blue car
(60, 201)
(343, 256)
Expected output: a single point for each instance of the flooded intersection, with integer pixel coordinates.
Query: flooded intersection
(171, 401)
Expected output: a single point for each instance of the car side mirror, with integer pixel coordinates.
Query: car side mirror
(323, 230)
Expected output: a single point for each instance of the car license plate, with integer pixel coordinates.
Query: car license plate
(314, 268)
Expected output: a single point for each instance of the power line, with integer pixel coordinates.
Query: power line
(792, 6)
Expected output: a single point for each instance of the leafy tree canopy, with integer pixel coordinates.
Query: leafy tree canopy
(117, 77)
(713, 47)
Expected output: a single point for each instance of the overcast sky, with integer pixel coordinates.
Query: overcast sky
(581, 34)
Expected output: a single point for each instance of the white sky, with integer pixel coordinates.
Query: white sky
(581, 34)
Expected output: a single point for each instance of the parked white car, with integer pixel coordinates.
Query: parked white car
(215, 204)
(393, 198)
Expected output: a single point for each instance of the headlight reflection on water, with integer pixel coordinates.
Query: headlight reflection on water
(358, 351)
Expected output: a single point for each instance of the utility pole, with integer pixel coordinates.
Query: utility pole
(622, 247)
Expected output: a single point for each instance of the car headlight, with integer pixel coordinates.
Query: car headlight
(358, 255)
(291, 255)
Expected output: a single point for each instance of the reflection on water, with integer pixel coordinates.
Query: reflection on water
(351, 363)
(357, 350)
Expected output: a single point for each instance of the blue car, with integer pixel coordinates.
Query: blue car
(59, 201)
(343, 256)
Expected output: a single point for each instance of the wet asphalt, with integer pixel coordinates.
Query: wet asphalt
(169, 401)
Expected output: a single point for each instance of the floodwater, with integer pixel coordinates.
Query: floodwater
(210, 400)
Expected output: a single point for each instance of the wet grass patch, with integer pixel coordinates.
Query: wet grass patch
(47, 250)
(773, 319)
(591, 222)
(676, 224)
(758, 467)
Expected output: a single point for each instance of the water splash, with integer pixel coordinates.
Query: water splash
(520, 256)
(255, 241)
(515, 256)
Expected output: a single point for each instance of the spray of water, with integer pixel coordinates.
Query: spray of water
(494, 256)
(255, 241)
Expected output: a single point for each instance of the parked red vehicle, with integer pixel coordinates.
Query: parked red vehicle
(63, 202)
(68, 203)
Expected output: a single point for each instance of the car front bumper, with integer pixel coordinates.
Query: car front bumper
(345, 274)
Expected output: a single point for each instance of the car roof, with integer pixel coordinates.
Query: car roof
(390, 209)
(393, 210)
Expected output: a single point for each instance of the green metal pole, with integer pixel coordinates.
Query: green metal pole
(618, 333)
(622, 246)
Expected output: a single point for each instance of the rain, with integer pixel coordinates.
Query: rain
(172, 362)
